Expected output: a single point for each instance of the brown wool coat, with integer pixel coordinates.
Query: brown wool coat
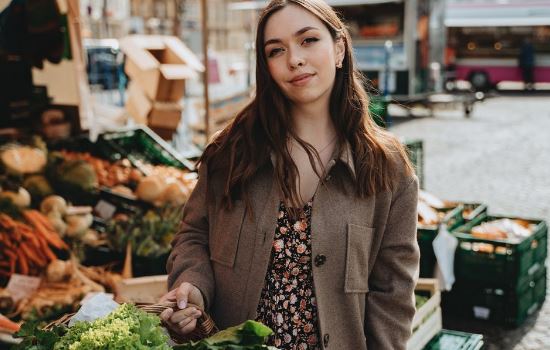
(364, 284)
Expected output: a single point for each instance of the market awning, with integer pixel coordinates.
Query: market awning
(497, 15)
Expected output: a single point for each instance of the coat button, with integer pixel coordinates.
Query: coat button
(320, 259)
(326, 338)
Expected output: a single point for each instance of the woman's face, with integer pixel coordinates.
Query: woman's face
(301, 55)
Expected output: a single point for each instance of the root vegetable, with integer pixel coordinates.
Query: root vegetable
(53, 203)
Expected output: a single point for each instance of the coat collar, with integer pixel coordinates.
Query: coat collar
(342, 153)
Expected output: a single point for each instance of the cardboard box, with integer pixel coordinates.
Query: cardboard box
(155, 114)
(142, 289)
(165, 133)
(160, 65)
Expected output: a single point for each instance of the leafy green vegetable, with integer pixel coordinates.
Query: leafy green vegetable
(125, 328)
(35, 338)
(250, 335)
(150, 234)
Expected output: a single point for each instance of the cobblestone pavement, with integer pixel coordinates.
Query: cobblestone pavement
(501, 157)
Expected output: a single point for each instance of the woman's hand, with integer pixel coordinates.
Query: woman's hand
(184, 320)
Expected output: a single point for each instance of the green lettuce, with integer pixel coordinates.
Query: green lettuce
(249, 335)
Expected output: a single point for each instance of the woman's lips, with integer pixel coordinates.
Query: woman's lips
(301, 79)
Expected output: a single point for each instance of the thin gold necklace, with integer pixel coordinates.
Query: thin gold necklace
(322, 149)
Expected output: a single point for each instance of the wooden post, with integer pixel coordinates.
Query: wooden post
(204, 13)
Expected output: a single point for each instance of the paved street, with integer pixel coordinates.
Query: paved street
(501, 157)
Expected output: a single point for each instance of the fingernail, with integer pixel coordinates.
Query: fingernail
(182, 304)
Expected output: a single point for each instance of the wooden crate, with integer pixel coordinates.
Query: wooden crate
(147, 289)
(427, 321)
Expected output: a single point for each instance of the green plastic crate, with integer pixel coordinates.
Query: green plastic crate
(510, 264)
(426, 235)
(505, 306)
(142, 144)
(473, 211)
(454, 340)
(416, 155)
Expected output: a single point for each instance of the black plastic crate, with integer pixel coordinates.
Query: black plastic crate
(497, 262)
(454, 340)
(498, 305)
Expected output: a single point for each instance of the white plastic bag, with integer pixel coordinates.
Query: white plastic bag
(444, 246)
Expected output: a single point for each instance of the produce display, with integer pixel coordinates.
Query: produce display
(512, 230)
(64, 286)
(125, 328)
(128, 327)
(430, 209)
(49, 210)
(108, 174)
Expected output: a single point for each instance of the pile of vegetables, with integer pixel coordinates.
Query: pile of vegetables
(62, 289)
(131, 328)
(150, 234)
(125, 328)
(430, 209)
(511, 230)
(27, 245)
(160, 186)
(250, 335)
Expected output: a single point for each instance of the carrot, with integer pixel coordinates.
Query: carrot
(6, 221)
(51, 236)
(46, 250)
(22, 263)
(6, 324)
(41, 219)
(29, 254)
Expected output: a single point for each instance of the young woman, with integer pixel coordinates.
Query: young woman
(304, 216)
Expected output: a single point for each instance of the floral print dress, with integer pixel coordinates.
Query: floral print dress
(287, 303)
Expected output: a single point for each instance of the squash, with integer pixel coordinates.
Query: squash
(20, 160)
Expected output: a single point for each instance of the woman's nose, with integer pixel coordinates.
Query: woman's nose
(295, 59)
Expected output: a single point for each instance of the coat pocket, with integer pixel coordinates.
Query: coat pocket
(224, 239)
(359, 241)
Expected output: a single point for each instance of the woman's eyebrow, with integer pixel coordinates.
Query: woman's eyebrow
(298, 33)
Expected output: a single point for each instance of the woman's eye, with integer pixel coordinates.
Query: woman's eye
(310, 40)
(274, 52)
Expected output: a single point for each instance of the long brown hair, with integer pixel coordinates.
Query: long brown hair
(263, 126)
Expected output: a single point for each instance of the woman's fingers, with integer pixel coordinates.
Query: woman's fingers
(182, 321)
(182, 294)
(170, 296)
(180, 315)
(166, 314)
(189, 327)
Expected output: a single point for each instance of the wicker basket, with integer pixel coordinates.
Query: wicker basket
(205, 324)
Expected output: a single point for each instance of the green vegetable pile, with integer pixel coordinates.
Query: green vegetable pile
(250, 335)
(125, 328)
(130, 328)
(150, 234)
